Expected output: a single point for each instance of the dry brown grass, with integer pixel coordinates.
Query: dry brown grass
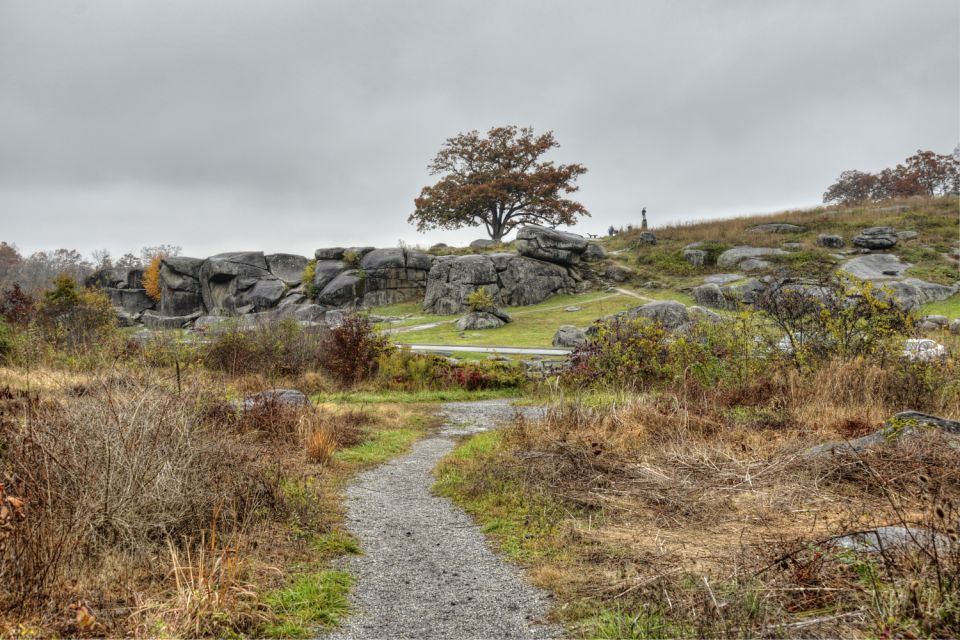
(153, 511)
(734, 230)
(681, 504)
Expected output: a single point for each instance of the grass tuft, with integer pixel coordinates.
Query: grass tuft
(312, 600)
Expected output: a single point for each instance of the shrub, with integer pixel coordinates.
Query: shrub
(151, 277)
(352, 258)
(837, 316)
(481, 300)
(16, 306)
(306, 279)
(273, 349)
(116, 471)
(7, 341)
(621, 353)
(352, 350)
(412, 371)
(72, 319)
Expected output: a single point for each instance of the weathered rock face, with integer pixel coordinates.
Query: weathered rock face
(116, 278)
(329, 253)
(344, 289)
(325, 271)
(722, 278)
(594, 252)
(287, 266)
(648, 237)
(913, 292)
(239, 282)
(618, 273)
(669, 313)
(125, 289)
(569, 336)
(511, 280)
(180, 292)
(711, 295)
(878, 266)
(482, 243)
(394, 275)
(133, 301)
(696, 257)
(274, 397)
(829, 241)
(550, 245)
(777, 227)
(384, 276)
(733, 257)
(481, 320)
(876, 238)
(754, 264)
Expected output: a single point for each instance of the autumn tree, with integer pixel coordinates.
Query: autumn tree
(923, 174)
(499, 181)
(852, 187)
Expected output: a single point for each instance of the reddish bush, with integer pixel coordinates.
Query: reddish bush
(351, 350)
(16, 305)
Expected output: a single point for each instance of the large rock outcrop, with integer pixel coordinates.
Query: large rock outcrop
(383, 276)
(180, 291)
(876, 238)
(239, 282)
(511, 279)
(550, 245)
(124, 287)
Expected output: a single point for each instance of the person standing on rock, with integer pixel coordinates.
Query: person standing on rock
(643, 224)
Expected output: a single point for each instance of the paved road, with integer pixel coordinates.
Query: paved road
(426, 569)
(529, 351)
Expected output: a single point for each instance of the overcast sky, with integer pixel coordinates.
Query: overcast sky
(285, 125)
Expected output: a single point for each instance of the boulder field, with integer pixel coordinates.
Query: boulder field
(258, 286)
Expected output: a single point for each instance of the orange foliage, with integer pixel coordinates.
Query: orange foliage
(151, 278)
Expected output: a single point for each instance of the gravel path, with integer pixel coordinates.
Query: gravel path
(426, 570)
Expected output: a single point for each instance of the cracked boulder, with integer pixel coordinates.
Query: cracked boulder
(239, 282)
(550, 245)
(511, 280)
(180, 289)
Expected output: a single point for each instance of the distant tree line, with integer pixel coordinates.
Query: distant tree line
(925, 173)
(35, 273)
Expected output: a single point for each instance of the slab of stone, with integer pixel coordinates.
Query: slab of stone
(733, 257)
(876, 266)
(722, 278)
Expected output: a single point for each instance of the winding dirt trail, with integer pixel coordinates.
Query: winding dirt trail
(426, 569)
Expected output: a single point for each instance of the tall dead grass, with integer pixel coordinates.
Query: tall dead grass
(699, 511)
(109, 474)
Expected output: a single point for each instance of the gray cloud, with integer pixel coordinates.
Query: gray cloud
(290, 125)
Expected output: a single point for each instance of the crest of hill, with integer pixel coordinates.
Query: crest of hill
(929, 240)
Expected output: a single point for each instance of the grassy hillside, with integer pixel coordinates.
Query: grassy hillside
(936, 221)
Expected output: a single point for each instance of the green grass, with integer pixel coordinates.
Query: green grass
(413, 397)
(310, 601)
(532, 326)
(619, 624)
(382, 445)
(335, 543)
(410, 312)
(523, 525)
(666, 294)
(949, 307)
